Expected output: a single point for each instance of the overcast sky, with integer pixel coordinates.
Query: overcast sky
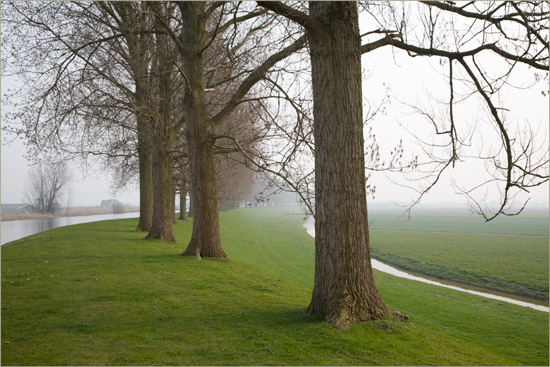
(86, 189)
(408, 80)
(411, 80)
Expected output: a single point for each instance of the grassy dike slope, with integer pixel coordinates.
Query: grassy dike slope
(96, 294)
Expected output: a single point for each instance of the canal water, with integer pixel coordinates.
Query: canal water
(15, 229)
(310, 228)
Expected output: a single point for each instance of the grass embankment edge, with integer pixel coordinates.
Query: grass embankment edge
(510, 264)
(471, 282)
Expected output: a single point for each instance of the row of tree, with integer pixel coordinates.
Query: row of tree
(107, 82)
(164, 89)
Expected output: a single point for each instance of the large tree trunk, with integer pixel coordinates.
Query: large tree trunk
(344, 288)
(145, 176)
(205, 237)
(190, 212)
(161, 227)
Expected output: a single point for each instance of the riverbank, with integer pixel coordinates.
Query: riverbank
(484, 285)
(516, 265)
(98, 294)
(71, 212)
(507, 297)
(17, 229)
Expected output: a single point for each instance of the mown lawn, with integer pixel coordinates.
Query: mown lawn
(97, 294)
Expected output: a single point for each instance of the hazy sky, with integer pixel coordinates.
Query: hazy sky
(408, 80)
(85, 189)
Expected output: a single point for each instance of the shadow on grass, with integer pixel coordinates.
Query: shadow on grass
(284, 317)
(250, 321)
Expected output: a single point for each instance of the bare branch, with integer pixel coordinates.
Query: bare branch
(297, 16)
(256, 76)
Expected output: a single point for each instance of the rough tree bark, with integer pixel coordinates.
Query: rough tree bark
(183, 195)
(145, 176)
(205, 237)
(161, 227)
(344, 289)
(190, 211)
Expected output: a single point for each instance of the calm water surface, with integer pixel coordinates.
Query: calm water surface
(310, 228)
(15, 229)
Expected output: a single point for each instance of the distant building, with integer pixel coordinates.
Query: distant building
(112, 203)
(17, 208)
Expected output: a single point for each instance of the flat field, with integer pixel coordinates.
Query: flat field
(98, 294)
(509, 255)
(527, 224)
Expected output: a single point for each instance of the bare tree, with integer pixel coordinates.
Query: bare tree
(229, 48)
(132, 21)
(85, 88)
(101, 88)
(47, 185)
(344, 288)
(167, 121)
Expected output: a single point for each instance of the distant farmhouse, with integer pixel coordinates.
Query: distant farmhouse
(16, 208)
(111, 203)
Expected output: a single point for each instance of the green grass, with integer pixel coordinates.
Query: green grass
(97, 294)
(516, 264)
